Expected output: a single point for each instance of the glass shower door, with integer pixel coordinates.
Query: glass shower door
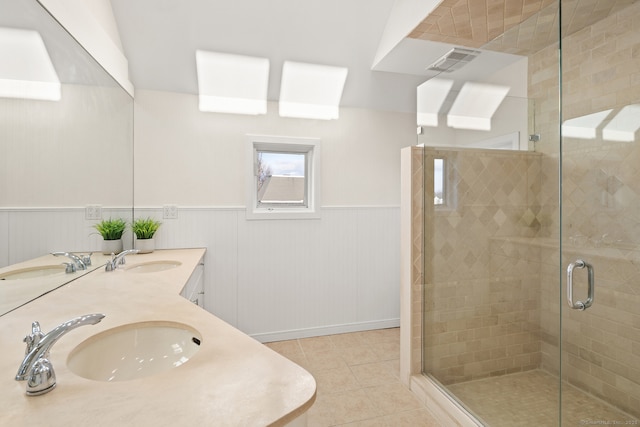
(600, 221)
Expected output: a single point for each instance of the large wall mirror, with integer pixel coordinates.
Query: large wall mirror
(66, 148)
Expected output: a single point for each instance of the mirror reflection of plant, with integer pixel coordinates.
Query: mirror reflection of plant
(111, 229)
(145, 228)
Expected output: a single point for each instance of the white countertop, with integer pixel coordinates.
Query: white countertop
(232, 380)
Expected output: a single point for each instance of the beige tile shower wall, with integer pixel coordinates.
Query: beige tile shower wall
(601, 345)
(481, 293)
(601, 201)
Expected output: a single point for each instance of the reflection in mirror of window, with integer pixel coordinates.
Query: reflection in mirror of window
(475, 106)
(439, 196)
(620, 125)
(26, 70)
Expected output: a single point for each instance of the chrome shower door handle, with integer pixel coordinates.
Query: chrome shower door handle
(580, 305)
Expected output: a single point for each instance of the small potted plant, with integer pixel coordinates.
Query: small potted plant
(144, 229)
(111, 231)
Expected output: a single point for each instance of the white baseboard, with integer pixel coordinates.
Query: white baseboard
(326, 330)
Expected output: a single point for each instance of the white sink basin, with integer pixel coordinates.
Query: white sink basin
(153, 266)
(33, 272)
(134, 351)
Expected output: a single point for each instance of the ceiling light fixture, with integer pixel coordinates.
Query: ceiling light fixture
(311, 91)
(453, 60)
(26, 70)
(230, 83)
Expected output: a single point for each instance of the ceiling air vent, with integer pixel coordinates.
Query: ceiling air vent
(453, 60)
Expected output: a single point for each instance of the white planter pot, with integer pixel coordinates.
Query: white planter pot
(145, 246)
(111, 246)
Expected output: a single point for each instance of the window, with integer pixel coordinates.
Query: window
(284, 178)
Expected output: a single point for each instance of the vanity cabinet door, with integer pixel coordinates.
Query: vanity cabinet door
(194, 289)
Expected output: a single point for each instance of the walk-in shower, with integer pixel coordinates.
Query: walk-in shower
(503, 230)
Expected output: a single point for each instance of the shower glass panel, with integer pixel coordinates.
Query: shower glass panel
(543, 176)
(485, 227)
(601, 212)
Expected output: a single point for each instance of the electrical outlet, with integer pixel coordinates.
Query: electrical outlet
(93, 212)
(170, 212)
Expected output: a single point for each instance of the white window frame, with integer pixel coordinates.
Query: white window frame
(312, 148)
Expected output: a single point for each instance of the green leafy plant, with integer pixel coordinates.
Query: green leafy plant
(111, 229)
(145, 228)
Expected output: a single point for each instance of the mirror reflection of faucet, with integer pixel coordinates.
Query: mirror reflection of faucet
(79, 262)
(36, 368)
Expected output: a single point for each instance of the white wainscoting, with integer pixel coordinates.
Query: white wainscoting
(32, 232)
(4, 238)
(272, 279)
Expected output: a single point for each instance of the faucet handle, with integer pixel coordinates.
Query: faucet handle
(70, 267)
(86, 259)
(34, 338)
(42, 378)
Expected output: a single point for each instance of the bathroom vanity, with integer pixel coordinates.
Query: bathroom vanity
(231, 380)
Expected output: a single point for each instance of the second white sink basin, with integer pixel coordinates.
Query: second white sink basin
(153, 266)
(134, 351)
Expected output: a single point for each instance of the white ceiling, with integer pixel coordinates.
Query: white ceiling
(160, 37)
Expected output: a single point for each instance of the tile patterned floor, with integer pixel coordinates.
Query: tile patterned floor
(357, 379)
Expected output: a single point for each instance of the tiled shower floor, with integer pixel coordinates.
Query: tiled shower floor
(531, 399)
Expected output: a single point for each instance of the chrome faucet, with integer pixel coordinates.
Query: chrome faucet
(117, 260)
(79, 263)
(36, 368)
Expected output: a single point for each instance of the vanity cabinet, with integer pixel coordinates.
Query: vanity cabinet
(194, 289)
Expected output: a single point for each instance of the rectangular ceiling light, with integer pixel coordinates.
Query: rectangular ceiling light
(311, 91)
(26, 70)
(431, 95)
(475, 105)
(230, 83)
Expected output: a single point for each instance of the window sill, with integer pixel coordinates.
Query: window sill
(283, 214)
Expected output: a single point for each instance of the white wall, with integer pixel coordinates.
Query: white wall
(277, 279)
(190, 158)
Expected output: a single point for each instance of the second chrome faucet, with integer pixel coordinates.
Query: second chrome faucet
(117, 260)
